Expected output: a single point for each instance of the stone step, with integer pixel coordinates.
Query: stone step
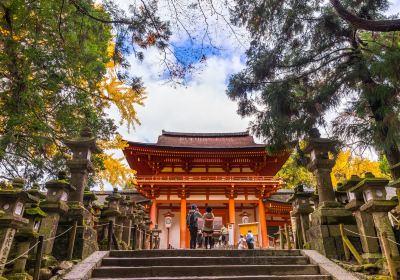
(254, 277)
(202, 253)
(189, 261)
(211, 270)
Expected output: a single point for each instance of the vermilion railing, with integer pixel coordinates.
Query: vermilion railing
(210, 178)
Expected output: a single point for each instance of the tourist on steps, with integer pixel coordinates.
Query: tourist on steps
(250, 240)
(242, 243)
(208, 228)
(191, 222)
(224, 238)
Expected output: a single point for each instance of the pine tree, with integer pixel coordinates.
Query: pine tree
(304, 62)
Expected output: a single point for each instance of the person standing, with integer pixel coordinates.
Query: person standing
(224, 235)
(208, 228)
(250, 240)
(192, 224)
(242, 243)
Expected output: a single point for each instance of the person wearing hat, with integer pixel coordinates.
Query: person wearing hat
(208, 227)
(192, 224)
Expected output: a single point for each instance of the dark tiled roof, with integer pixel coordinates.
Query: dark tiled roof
(207, 140)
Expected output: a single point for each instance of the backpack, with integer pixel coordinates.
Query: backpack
(249, 238)
(192, 220)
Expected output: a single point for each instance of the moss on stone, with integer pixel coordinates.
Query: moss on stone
(35, 212)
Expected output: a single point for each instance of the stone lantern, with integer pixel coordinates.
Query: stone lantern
(135, 221)
(27, 235)
(111, 211)
(89, 198)
(146, 240)
(54, 205)
(121, 220)
(80, 166)
(155, 234)
(324, 235)
(126, 235)
(12, 205)
(364, 219)
(374, 194)
(341, 196)
(140, 226)
(301, 209)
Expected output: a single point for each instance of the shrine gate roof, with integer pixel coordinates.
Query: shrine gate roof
(207, 140)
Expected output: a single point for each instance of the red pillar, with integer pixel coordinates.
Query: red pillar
(153, 213)
(232, 217)
(263, 223)
(182, 224)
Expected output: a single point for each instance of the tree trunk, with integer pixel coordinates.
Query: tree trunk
(366, 24)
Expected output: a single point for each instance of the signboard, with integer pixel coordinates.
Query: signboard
(244, 228)
(231, 230)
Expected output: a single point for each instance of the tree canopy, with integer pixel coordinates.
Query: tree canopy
(306, 64)
(62, 64)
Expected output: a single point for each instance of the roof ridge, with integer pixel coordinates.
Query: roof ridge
(205, 134)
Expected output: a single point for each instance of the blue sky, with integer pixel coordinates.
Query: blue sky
(201, 105)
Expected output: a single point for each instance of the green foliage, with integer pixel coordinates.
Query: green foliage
(54, 58)
(295, 174)
(384, 166)
(305, 62)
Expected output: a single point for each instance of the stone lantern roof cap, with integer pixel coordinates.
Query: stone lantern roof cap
(348, 184)
(86, 139)
(15, 194)
(324, 144)
(35, 212)
(114, 196)
(88, 194)
(370, 181)
(35, 191)
(61, 182)
(300, 191)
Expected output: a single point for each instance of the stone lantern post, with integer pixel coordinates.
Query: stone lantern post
(135, 223)
(374, 195)
(54, 205)
(89, 198)
(27, 235)
(364, 219)
(126, 235)
(155, 233)
(301, 209)
(121, 220)
(140, 226)
(146, 238)
(12, 205)
(324, 235)
(80, 167)
(110, 212)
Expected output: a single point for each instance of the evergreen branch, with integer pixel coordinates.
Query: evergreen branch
(366, 24)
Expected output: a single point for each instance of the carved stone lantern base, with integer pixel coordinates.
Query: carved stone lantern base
(86, 235)
(324, 234)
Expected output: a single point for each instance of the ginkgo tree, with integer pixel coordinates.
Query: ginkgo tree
(346, 165)
(62, 65)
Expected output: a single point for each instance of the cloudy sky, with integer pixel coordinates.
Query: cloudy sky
(201, 105)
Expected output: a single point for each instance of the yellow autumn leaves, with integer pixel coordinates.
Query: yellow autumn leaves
(114, 170)
(347, 165)
(124, 98)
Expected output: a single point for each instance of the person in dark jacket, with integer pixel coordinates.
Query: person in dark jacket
(191, 222)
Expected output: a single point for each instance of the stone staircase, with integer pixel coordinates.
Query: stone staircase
(207, 264)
